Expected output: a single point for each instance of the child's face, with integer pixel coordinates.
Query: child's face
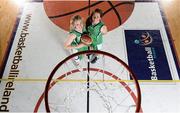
(96, 18)
(78, 25)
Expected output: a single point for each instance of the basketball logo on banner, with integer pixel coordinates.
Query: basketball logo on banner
(144, 39)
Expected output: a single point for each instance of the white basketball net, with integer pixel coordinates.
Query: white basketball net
(108, 90)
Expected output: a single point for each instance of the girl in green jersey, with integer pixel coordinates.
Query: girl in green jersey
(73, 42)
(96, 31)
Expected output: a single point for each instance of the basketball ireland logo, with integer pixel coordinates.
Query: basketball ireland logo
(144, 39)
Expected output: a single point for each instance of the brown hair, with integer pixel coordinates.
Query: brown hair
(97, 11)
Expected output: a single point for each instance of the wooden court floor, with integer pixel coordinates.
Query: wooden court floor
(9, 10)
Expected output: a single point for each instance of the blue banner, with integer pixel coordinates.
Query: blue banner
(146, 55)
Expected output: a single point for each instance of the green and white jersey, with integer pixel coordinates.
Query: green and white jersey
(77, 40)
(95, 33)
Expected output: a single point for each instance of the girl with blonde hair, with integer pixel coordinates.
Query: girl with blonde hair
(73, 42)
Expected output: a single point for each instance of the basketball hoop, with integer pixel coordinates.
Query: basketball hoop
(100, 88)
